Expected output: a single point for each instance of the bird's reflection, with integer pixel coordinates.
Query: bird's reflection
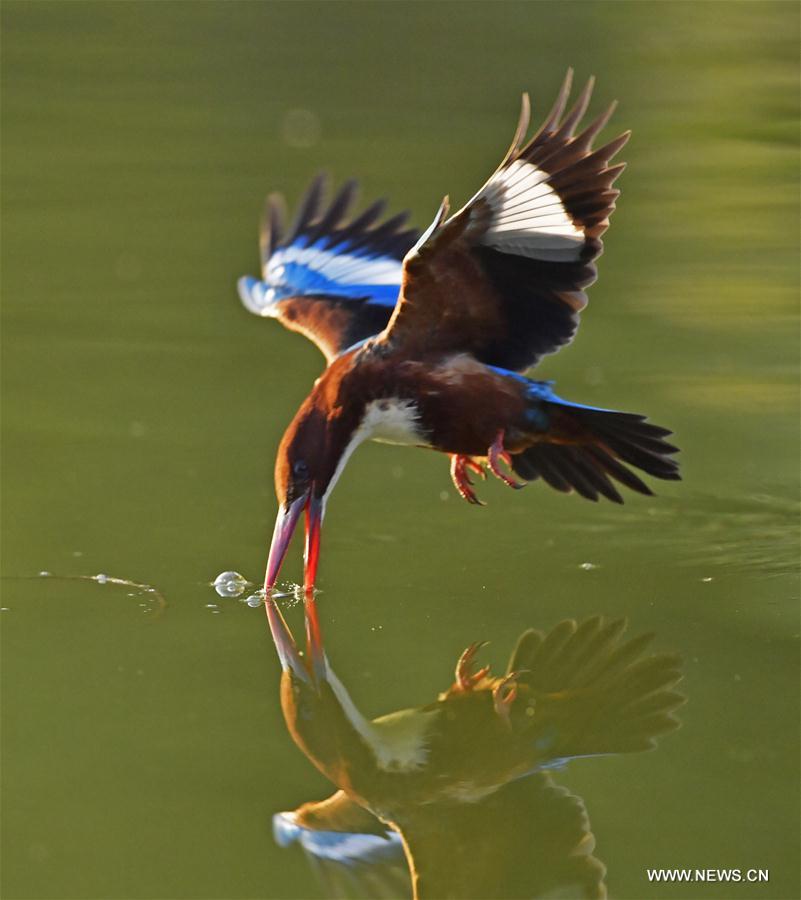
(461, 786)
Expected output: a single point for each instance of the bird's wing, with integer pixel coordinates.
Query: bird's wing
(352, 853)
(332, 276)
(503, 279)
(592, 692)
(531, 838)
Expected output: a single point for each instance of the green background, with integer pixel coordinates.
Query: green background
(144, 754)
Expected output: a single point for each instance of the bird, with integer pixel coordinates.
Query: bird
(466, 781)
(428, 337)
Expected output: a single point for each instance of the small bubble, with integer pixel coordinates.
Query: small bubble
(230, 584)
(45, 574)
(254, 601)
(707, 580)
(101, 578)
(588, 566)
(300, 128)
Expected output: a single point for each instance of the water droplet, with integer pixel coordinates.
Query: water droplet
(707, 580)
(230, 584)
(300, 128)
(588, 566)
(44, 574)
(211, 606)
(101, 578)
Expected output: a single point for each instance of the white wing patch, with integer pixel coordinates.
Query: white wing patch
(528, 218)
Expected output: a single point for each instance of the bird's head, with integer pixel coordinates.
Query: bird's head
(309, 459)
(318, 711)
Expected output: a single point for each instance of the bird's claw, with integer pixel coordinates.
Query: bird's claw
(461, 479)
(466, 679)
(497, 454)
(504, 695)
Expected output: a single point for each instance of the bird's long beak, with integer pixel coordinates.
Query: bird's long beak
(285, 646)
(285, 523)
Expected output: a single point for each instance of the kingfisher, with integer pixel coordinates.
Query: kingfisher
(428, 337)
(465, 780)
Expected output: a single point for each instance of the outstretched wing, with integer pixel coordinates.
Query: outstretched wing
(503, 279)
(531, 838)
(596, 693)
(332, 277)
(351, 852)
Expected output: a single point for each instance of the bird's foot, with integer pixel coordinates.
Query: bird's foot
(466, 678)
(504, 695)
(497, 454)
(461, 479)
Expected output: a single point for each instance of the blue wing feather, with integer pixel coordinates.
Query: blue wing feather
(331, 258)
(349, 864)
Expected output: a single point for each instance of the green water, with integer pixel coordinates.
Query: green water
(143, 750)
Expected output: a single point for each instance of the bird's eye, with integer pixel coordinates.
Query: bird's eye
(300, 469)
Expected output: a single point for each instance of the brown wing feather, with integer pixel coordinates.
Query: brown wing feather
(503, 278)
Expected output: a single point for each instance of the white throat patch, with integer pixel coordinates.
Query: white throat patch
(392, 421)
(389, 421)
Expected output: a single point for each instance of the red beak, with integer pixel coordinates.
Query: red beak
(285, 524)
(314, 641)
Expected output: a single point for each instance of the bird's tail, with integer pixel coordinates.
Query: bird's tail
(594, 693)
(586, 449)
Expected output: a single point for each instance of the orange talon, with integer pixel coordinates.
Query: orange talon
(460, 478)
(496, 454)
(466, 679)
(504, 695)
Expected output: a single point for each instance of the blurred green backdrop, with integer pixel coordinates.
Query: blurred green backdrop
(143, 756)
